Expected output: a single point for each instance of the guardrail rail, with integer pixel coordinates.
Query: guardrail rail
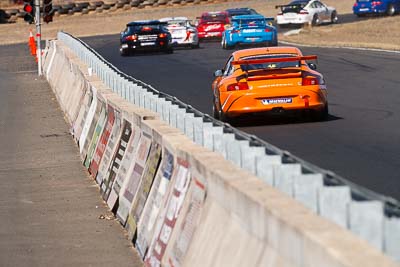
(372, 216)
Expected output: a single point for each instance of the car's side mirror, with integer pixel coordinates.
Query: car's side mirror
(312, 66)
(218, 73)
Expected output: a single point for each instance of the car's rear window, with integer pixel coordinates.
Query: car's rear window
(240, 12)
(214, 18)
(250, 22)
(150, 28)
(294, 7)
(271, 65)
(177, 22)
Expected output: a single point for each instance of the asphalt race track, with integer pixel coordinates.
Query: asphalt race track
(361, 139)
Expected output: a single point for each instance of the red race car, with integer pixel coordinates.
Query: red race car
(212, 24)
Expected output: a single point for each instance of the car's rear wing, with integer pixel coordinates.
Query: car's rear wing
(272, 60)
(290, 7)
(280, 6)
(238, 19)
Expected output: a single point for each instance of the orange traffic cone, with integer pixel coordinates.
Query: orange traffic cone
(32, 43)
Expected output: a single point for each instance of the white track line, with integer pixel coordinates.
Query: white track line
(343, 47)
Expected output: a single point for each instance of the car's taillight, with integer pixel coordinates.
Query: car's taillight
(310, 80)
(238, 86)
(376, 3)
(355, 4)
(131, 37)
(303, 12)
(267, 30)
(162, 35)
(235, 31)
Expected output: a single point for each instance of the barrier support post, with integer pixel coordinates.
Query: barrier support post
(38, 37)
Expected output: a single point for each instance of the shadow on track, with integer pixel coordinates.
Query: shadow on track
(268, 120)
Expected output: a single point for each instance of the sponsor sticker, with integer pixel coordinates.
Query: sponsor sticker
(273, 101)
(212, 34)
(250, 30)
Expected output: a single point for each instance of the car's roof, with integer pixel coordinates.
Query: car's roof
(214, 13)
(173, 18)
(255, 16)
(144, 22)
(298, 2)
(238, 9)
(265, 51)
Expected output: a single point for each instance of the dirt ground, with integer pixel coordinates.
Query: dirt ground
(377, 32)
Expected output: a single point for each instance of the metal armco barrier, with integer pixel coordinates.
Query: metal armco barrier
(371, 216)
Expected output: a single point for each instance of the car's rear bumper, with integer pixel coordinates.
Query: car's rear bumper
(281, 20)
(252, 103)
(183, 42)
(140, 47)
(270, 40)
(255, 44)
(209, 35)
(284, 110)
(369, 10)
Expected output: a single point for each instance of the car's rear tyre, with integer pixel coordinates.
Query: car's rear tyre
(223, 117)
(315, 21)
(195, 46)
(215, 112)
(391, 10)
(334, 18)
(169, 51)
(123, 52)
(321, 115)
(224, 44)
(220, 115)
(273, 43)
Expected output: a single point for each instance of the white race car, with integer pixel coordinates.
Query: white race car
(312, 12)
(182, 31)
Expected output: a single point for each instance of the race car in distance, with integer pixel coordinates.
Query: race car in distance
(364, 7)
(270, 80)
(249, 30)
(212, 24)
(183, 33)
(240, 11)
(312, 12)
(145, 35)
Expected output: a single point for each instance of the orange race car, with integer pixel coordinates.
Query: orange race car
(275, 80)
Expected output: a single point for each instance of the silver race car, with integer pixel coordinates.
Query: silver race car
(312, 12)
(182, 31)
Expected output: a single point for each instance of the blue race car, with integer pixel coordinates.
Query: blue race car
(364, 7)
(249, 30)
